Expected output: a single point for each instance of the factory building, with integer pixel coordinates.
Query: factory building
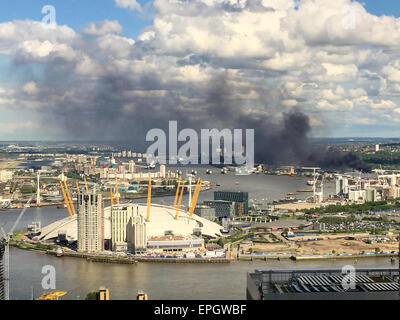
(323, 284)
(90, 222)
(241, 198)
(206, 212)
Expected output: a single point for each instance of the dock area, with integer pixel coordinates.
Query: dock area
(134, 260)
(96, 258)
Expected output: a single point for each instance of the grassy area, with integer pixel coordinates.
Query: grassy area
(356, 208)
(36, 246)
(9, 164)
(386, 159)
(18, 241)
(234, 238)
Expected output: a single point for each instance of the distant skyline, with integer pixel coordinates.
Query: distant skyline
(115, 68)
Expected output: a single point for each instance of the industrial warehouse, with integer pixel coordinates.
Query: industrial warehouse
(131, 228)
(323, 284)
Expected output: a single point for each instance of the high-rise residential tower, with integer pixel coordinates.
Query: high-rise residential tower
(90, 222)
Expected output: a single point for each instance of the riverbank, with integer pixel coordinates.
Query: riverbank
(134, 259)
(345, 256)
(95, 258)
(265, 257)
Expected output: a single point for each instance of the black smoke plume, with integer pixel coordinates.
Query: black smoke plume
(106, 112)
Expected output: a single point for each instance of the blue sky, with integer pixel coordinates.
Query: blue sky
(383, 7)
(78, 13)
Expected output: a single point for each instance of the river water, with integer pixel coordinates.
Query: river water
(159, 280)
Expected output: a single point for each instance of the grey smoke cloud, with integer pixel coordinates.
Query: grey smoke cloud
(278, 140)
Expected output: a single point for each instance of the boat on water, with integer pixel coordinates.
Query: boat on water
(305, 190)
(60, 252)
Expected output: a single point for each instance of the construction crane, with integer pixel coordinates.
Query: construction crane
(315, 178)
(180, 201)
(66, 200)
(177, 192)
(86, 185)
(116, 190)
(149, 199)
(5, 248)
(52, 295)
(195, 196)
(71, 205)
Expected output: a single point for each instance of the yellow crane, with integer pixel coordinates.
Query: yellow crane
(66, 200)
(69, 198)
(177, 191)
(116, 190)
(52, 295)
(180, 201)
(195, 196)
(149, 199)
(86, 185)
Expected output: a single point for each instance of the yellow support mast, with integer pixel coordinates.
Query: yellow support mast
(66, 200)
(177, 192)
(116, 190)
(149, 199)
(52, 295)
(180, 201)
(77, 188)
(111, 196)
(69, 198)
(86, 185)
(195, 196)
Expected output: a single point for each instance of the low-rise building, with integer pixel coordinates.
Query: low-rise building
(175, 243)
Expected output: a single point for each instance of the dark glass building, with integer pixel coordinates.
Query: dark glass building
(239, 197)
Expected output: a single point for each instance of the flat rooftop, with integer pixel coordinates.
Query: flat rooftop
(325, 283)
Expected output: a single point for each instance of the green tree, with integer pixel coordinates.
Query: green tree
(91, 296)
